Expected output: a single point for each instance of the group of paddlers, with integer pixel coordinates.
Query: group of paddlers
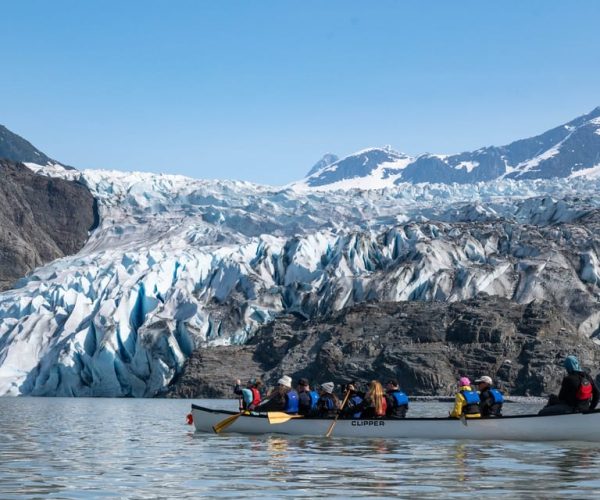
(324, 403)
(578, 393)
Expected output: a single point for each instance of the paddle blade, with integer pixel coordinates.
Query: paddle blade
(279, 417)
(223, 424)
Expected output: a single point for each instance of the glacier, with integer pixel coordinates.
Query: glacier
(178, 264)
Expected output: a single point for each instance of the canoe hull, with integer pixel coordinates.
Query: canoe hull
(573, 427)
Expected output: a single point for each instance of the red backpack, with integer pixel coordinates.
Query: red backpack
(584, 392)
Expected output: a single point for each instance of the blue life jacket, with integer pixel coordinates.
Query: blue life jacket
(471, 397)
(497, 396)
(356, 400)
(314, 397)
(400, 398)
(292, 402)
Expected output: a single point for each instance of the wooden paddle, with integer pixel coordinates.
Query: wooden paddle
(223, 424)
(330, 430)
(279, 417)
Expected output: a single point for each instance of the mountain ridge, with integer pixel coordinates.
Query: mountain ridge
(568, 150)
(15, 148)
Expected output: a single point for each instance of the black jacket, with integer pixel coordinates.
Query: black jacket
(570, 386)
(304, 404)
(277, 402)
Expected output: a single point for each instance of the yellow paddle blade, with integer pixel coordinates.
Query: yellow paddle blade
(279, 417)
(223, 424)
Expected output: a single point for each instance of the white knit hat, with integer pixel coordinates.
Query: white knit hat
(328, 387)
(285, 381)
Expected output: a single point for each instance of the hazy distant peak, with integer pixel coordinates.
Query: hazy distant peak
(325, 161)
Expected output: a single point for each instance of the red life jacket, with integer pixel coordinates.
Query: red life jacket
(255, 397)
(383, 408)
(584, 392)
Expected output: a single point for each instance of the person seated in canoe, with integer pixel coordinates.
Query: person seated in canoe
(490, 399)
(281, 398)
(328, 403)
(250, 395)
(307, 399)
(578, 391)
(353, 404)
(397, 401)
(466, 403)
(374, 404)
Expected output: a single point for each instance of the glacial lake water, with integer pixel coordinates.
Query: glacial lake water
(136, 448)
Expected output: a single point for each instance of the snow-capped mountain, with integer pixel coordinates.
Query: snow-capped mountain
(570, 150)
(371, 168)
(176, 264)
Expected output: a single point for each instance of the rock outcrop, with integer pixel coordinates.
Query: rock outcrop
(41, 219)
(426, 345)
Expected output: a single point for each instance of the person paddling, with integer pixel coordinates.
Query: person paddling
(374, 404)
(466, 402)
(307, 399)
(328, 404)
(578, 391)
(397, 401)
(250, 395)
(490, 399)
(282, 398)
(578, 388)
(355, 399)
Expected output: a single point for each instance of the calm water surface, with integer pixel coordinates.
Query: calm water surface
(128, 448)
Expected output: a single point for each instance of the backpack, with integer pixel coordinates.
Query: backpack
(585, 390)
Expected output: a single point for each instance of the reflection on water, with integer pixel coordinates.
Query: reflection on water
(84, 448)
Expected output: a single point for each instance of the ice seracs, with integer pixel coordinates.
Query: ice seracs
(176, 264)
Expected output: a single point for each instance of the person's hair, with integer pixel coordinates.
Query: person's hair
(375, 394)
(257, 384)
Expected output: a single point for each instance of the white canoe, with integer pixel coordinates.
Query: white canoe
(572, 427)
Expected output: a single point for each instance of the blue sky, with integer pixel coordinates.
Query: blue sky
(260, 90)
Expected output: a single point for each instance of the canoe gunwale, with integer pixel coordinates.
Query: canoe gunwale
(431, 419)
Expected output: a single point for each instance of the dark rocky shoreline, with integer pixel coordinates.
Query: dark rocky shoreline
(426, 345)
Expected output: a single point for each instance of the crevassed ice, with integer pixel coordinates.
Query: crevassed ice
(178, 263)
